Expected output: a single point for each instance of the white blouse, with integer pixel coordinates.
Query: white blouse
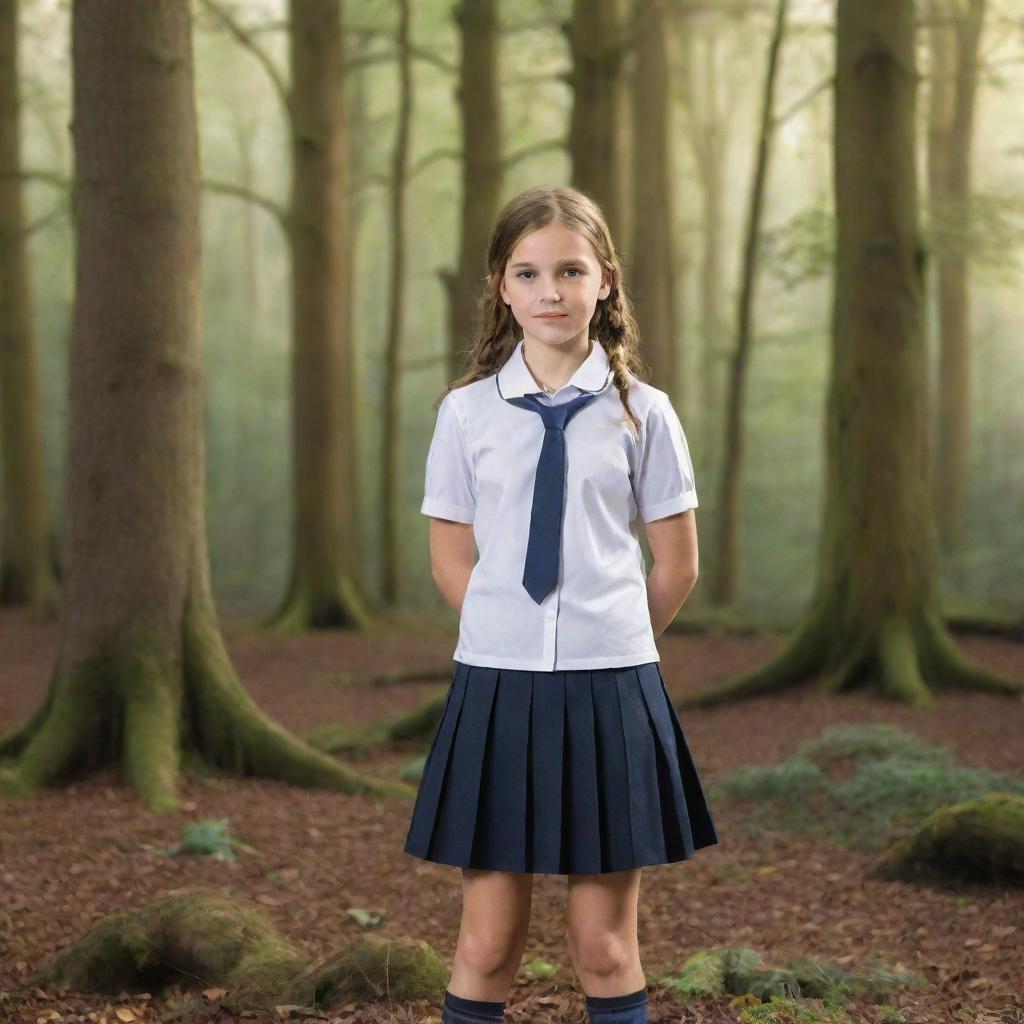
(480, 470)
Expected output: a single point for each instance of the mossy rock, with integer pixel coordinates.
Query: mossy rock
(206, 935)
(373, 968)
(978, 840)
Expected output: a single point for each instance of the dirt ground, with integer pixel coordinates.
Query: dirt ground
(73, 855)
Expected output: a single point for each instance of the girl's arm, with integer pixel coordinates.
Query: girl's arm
(673, 542)
(452, 556)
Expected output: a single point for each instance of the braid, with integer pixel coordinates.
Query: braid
(615, 328)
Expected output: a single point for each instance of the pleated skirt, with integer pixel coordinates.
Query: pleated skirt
(564, 772)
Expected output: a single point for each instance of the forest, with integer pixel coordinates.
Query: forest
(242, 249)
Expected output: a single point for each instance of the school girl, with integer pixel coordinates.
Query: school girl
(558, 750)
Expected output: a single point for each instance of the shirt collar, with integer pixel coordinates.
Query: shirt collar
(515, 379)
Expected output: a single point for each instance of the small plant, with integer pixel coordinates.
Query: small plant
(207, 838)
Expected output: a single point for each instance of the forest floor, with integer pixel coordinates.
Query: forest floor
(72, 855)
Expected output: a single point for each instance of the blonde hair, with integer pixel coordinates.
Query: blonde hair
(612, 325)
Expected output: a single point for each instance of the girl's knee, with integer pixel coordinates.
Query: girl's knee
(488, 951)
(597, 952)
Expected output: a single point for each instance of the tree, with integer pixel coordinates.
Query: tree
(597, 49)
(142, 672)
(482, 169)
(324, 589)
(654, 264)
(391, 479)
(874, 614)
(954, 33)
(725, 579)
(27, 575)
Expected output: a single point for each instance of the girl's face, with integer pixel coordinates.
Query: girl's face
(554, 270)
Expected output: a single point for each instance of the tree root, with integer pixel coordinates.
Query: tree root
(908, 657)
(302, 610)
(417, 723)
(142, 706)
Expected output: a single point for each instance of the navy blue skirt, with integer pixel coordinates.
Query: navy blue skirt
(566, 772)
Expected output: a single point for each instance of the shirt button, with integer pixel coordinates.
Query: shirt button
(550, 616)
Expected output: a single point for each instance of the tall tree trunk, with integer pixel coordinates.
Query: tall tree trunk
(653, 280)
(596, 78)
(708, 137)
(725, 579)
(324, 590)
(142, 670)
(27, 575)
(955, 30)
(874, 614)
(392, 432)
(482, 169)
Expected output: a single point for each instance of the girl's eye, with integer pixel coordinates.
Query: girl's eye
(574, 270)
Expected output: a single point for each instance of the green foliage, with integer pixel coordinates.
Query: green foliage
(713, 973)
(793, 779)
(859, 742)
(788, 1011)
(891, 797)
(801, 249)
(207, 838)
(538, 967)
(894, 781)
(987, 228)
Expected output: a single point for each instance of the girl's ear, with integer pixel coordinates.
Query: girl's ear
(607, 278)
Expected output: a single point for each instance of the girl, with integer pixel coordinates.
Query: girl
(557, 750)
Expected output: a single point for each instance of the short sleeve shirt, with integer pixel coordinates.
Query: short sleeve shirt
(480, 469)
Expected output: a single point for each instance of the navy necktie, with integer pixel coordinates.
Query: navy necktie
(541, 571)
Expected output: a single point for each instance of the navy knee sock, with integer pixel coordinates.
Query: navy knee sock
(630, 1008)
(459, 1010)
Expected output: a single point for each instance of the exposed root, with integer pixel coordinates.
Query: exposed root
(388, 677)
(954, 670)
(908, 657)
(900, 672)
(303, 609)
(799, 658)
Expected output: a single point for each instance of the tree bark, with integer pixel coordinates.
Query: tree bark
(595, 123)
(27, 573)
(653, 280)
(324, 590)
(392, 433)
(482, 168)
(955, 31)
(874, 616)
(142, 670)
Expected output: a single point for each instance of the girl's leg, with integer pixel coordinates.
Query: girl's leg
(493, 933)
(601, 935)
